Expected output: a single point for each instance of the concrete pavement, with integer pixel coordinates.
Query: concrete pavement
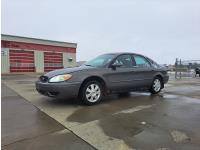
(26, 127)
(169, 120)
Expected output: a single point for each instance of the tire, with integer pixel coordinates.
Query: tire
(156, 85)
(92, 93)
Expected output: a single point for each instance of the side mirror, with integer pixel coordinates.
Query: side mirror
(114, 66)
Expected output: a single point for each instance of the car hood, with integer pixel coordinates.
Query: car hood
(66, 70)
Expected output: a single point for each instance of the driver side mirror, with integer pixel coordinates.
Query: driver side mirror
(114, 66)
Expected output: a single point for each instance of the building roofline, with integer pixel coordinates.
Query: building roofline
(8, 37)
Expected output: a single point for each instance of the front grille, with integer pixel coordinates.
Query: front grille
(44, 78)
(48, 93)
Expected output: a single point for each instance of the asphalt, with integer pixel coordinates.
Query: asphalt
(167, 121)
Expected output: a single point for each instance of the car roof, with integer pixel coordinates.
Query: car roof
(120, 53)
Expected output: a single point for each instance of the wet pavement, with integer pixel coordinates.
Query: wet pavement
(169, 120)
(26, 127)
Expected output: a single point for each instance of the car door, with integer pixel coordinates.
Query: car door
(121, 77)
(143, 72)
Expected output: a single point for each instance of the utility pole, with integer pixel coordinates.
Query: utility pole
(180, 73)
(176, 65)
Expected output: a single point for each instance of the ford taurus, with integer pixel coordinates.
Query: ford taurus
(107, 73)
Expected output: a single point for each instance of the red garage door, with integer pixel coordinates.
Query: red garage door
(52, 61)
(21, 61)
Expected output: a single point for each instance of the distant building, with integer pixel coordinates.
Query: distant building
(24, 54)
(171, 67)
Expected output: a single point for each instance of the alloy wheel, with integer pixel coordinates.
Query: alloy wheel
(93, 92)
(156, 85)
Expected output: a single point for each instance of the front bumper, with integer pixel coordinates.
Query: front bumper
(58, 90)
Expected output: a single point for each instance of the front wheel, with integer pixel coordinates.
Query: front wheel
(92, 93)
(156, 85)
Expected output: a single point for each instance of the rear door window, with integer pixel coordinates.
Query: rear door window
(141, 61)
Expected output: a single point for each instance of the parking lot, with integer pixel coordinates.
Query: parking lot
(168, 121)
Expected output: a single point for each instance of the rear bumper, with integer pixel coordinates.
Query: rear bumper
(58, 90)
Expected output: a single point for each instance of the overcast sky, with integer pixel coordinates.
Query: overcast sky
(160, 29)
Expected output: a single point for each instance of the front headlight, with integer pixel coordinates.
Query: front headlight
(60, 78)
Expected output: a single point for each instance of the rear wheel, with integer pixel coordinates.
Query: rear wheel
(92, 93)
(156, 85)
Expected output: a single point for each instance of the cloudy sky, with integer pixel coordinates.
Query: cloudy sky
(160, 29)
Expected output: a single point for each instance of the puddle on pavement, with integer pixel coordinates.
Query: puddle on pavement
(128, 127)
(159, 112)
(121, 125)
(114, 105)
(110, 106)
(156, 130)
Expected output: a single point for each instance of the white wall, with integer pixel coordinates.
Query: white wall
(5, 61)
(39, 61)
(66, 62)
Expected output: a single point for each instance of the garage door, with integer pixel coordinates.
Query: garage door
(52, 61)
(21, 61)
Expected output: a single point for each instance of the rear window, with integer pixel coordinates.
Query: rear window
(154, 64)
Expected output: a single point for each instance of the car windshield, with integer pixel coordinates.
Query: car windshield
(100, 61)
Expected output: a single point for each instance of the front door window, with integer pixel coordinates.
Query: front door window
(125, 61)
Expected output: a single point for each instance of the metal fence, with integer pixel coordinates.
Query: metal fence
(186, 68)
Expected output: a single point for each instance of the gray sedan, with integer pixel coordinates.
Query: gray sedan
(108, 73)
